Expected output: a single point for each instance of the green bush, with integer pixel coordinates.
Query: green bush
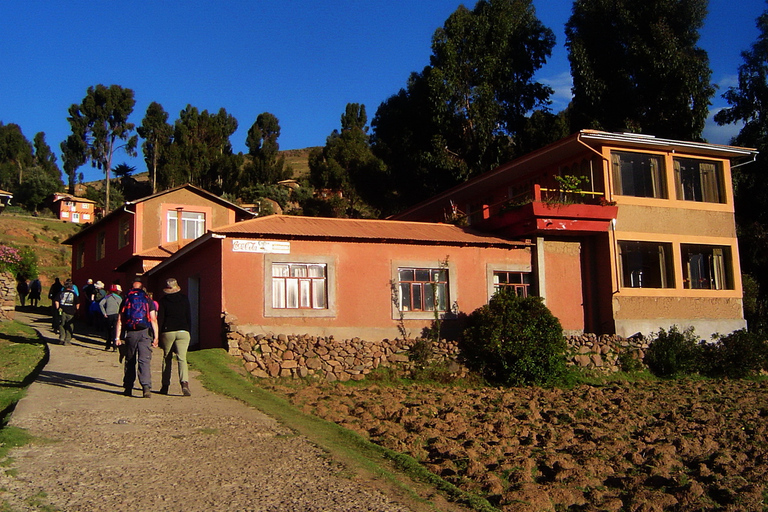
(738, 355)
(674, 353)
(515, 341)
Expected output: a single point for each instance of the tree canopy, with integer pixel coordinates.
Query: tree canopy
(636, 67)
(460, 116)
(101, 122)
(157, 134)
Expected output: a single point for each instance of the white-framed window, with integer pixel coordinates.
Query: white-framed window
(192, 225)
(299, 286)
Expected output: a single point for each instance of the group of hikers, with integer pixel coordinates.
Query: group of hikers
(133, 323)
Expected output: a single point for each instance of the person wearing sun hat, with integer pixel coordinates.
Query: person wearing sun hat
(174, 321)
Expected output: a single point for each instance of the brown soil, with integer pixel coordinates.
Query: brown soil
(681, 445)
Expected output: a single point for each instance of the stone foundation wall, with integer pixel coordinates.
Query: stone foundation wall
(7, 296)
(329, 359)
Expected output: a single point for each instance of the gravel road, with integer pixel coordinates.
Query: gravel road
(104, 451)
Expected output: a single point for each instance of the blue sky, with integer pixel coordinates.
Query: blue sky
(301, 60)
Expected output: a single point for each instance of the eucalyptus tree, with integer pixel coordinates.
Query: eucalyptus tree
(157, 134)
(15, 155)
(45, 159)
(102, 120)
(636, 67)
(467, 107)
(267, 166)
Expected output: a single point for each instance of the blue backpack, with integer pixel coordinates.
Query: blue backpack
(135, 311)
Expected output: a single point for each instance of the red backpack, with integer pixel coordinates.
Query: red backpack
(135, 311)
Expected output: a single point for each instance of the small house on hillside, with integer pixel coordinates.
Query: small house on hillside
(5, 199)
(142, 233)
(75, 209)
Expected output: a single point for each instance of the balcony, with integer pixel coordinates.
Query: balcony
(549, 212)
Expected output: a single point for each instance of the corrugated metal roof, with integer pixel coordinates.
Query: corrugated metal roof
(293, 227)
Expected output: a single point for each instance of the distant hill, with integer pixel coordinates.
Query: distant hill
(298, 159)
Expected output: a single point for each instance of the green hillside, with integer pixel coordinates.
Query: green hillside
(44, 235)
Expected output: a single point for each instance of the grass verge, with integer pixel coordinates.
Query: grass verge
(399, 471)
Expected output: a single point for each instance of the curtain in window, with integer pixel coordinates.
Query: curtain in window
(663, 267)
(710, 188)
(617, 183)
(656, 178)
(718, 269)
(678, 180)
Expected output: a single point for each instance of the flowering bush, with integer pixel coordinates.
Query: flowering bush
(10, 258)
(20, 262)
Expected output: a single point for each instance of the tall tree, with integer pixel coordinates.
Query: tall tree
(201, 150)
(347, 164)
(104, 115)
(267, 165)
(157, 134)
(749, 104)
(15, 155)
(73, 155)
(44, 157)
(466, 108)
(636, 67)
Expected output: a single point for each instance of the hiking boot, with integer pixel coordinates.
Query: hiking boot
(128, 392)
(147, 392)
(185, 389)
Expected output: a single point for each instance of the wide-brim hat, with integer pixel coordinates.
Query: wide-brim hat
(171, 286)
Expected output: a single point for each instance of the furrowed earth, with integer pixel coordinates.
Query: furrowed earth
(642, 446)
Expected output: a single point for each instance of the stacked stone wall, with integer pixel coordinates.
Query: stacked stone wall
(330, 359)
(7, 296)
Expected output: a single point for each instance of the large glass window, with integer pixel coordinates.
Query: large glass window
(707, 267)
(192, 225)
(299, 286)
(646, 265)
(638, 174)
(518, 282)
(699, 180)
(423, 289)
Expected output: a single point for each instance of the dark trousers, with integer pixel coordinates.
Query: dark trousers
(138, 352)
(111, 328)
(55, 319)
(67, 327)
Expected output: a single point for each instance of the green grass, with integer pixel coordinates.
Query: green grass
(22, 355)
(349, 448)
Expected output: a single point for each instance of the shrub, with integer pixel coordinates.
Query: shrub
(674, 353)
(737, 355)
(515, 341)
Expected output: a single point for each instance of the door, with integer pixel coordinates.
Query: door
(193, 293)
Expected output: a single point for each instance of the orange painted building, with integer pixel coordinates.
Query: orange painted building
(73, 209)
(646, 240)
(343, 277)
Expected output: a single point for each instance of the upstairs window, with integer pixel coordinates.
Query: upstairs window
(192, 225)
(423, 289)
(707, 267)
(101, 245)
(124, 233)
(638, 174)
(299, 286)
(699, 180)
(646, 265)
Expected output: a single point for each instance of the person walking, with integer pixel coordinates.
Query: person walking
(110, 309)
(22, 288)
(174, 321)
(35, 289)
(137, 316)
(66, 306)
(53, 294)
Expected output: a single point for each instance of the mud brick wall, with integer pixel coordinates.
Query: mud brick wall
(7, 296)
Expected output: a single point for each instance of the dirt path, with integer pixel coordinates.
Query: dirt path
(167, 453)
